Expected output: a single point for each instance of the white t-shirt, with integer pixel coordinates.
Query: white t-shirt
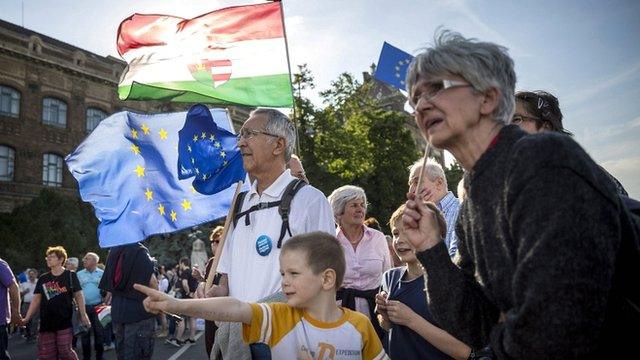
(31, 287)
(163, 285)
(251, 275)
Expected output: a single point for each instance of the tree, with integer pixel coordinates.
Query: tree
(50, 219)
(454, 174)
(352, 140)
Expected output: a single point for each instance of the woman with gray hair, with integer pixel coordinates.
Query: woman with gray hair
(366, 252)
(537, 273)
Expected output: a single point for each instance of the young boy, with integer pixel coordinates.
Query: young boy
(402, 305)
(310, 325)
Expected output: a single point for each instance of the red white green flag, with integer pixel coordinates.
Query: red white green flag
(235, 55)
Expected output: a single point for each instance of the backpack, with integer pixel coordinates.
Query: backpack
(284, 207)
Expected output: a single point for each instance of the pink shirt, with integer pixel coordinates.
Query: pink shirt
(365, 264)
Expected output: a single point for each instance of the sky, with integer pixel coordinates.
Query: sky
(585, 52)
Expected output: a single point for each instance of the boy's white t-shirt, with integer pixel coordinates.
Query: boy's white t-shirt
(290, 331)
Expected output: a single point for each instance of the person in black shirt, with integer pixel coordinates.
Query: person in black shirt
(187, 286)
(132, 325)
(53, 296)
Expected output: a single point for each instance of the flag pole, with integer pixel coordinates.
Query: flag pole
(427, 150)
(286, 47)
(216, 257)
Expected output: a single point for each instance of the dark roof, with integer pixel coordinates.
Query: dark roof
(55, 42)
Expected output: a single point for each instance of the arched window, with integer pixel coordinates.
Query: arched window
(7, 157)
(54, 112)
(9, 101)
(52, 170)
(94, 116)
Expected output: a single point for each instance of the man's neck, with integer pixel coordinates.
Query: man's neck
(266, 179)
(324, 308)
(91, 270)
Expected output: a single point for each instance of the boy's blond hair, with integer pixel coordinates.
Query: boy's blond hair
(323, 251)
(397, 215)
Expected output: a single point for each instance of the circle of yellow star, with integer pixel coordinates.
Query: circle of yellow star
(174, 216)
(135, 149)
(134, 133)
(145, 129)
(195, 138)
(163, 134)
(203, 136)
(186, 205)
(161, 209)
(139, 170)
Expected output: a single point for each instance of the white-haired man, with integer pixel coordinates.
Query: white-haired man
(249, 261)
(436, 190)
(89, 278)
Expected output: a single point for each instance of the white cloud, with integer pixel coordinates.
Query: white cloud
(601, 85)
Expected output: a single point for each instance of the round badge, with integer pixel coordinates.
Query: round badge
(263, 245)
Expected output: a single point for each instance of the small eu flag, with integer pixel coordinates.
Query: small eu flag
(392, 66)
(136, 171)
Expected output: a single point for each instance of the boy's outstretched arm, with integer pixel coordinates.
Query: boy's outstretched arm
(219, 309)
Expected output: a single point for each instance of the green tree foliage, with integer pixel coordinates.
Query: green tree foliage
(353, 140)
(454, 173)
(50, 219)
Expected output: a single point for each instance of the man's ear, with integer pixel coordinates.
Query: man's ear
(281, 145)
(328, 279)
(490, 101)
(440, 183)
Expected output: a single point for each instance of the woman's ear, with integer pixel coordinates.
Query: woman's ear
(490, 101)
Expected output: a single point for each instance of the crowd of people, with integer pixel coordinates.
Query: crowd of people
(536, 258)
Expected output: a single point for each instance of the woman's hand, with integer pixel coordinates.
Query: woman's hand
(420, 224)
(84, 319)
(156, 301)
(400, 313)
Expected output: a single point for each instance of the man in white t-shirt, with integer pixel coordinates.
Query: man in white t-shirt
(249, 261)
(26, 292)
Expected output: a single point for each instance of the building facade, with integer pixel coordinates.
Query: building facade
(52, 95)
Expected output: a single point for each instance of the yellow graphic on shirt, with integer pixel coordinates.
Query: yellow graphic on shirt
(329, 349)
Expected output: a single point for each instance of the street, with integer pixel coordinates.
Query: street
(20, 350)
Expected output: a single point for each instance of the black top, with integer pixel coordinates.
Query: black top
(127, 265)
(539, 235)
(191, 281)
(56, 306)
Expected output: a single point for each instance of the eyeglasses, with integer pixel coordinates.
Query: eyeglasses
(434, 89)
(248, 134)
(519, 119)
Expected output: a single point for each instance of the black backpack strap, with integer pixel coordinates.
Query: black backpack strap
(238, 206)
(285, 206)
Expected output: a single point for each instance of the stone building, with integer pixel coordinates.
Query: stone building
(52, 95)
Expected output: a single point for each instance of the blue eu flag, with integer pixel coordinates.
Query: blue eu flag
(139, 175)
(392, 66)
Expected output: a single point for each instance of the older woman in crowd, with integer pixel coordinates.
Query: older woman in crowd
(537, 274)
(366, 251)
(539, 111)
(53, 298)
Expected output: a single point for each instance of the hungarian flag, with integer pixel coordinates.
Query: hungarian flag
(104, 314)
(236, 55)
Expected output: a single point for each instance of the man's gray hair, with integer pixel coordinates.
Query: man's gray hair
(73, 261)
(279, 124)
(342, 195)
(484, 65)
(93, 255)
(433, 171)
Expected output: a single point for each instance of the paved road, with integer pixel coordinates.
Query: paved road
(20, 350)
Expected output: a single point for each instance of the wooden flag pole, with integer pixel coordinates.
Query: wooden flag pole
(427, 150)
(223, 237)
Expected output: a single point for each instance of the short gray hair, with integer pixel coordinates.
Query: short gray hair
(484, 65)
(433, 171)
(279, 124)
(342, 195)
(93, 255)
(73, 261)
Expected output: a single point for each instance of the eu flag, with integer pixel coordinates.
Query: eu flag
(392, 66)
(136, 171)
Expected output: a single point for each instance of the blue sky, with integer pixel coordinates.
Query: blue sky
(585, 52)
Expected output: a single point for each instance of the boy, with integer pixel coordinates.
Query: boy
(310, 325)
(403, 309)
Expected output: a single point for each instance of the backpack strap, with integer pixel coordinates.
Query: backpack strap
(285, 206)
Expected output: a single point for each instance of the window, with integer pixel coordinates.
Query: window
(9, 102)
(54, 112)
(94, 116)
(52, 170)
(7, 156)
